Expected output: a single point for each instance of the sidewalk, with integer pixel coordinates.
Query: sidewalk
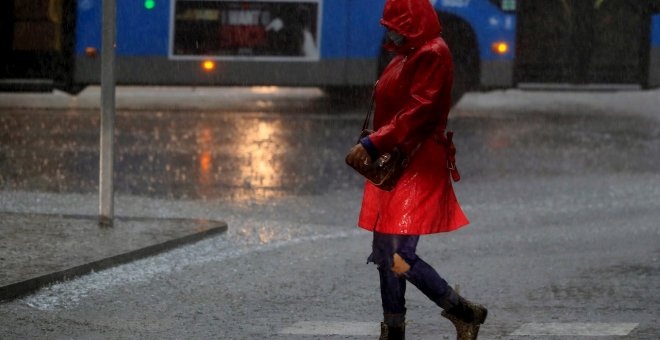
(39, 249)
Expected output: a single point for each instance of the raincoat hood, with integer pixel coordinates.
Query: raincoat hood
(414, 19)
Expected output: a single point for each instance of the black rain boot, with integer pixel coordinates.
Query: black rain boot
(466, 317)
(392, 332)
(394, 327)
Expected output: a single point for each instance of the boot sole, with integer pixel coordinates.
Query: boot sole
(473, 326)
(479, 322)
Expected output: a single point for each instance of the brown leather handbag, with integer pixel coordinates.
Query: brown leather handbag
(385, 171)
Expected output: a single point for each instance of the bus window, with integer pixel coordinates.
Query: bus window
(594, 41)
(239, 29)
(506, 5)
(33, 43)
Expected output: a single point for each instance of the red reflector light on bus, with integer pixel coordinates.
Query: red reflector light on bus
(500, 47)
(90, 52)
(208, 65)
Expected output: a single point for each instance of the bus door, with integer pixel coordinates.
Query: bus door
(35, 44)
(583, 41)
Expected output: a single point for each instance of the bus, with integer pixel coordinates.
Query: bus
(332, 44)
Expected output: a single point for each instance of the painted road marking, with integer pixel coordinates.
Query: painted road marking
(529, 329)
(332, 328)
(575, 329)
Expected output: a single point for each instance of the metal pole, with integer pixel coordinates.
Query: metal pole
(106, 166)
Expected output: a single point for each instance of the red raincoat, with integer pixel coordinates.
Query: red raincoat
(413, 98)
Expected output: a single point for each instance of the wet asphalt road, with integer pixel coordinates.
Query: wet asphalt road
(562, 189)
(208, 153)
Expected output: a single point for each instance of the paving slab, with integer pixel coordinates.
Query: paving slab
(39, 249)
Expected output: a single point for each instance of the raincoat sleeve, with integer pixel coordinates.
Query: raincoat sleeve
(423, 109)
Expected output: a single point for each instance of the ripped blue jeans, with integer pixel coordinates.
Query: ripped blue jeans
(420, 273)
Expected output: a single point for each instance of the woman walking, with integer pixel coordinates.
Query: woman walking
(412, 101)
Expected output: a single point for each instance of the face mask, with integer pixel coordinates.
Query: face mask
(396, 38)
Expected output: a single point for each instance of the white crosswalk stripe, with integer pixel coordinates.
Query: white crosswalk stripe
(332, 328)
(575, 329)
(528, 329)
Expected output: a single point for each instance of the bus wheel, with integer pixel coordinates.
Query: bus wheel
(75, 90)
(463, 46)
(348, 94)
(72, 89)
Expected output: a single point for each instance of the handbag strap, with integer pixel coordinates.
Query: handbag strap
(367, 119)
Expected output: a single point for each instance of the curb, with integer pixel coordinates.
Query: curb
(18, 289)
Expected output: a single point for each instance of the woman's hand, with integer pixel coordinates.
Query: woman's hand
(358, 157)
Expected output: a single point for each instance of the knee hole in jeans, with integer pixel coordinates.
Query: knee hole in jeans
(400, 266)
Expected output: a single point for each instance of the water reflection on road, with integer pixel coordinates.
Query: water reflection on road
(197, 154)
(297, 145)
